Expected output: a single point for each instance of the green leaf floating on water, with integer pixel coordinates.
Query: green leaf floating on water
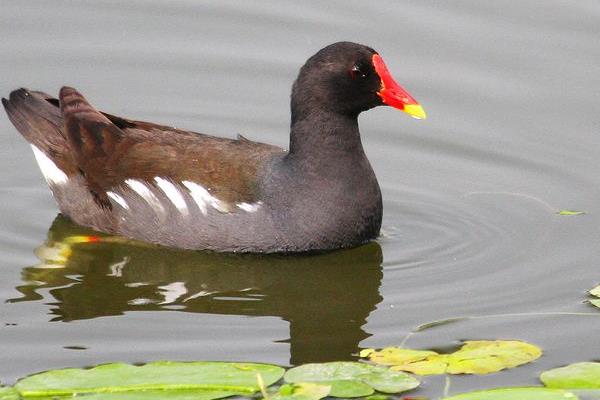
(379, 396)
(570, 212)
(147, 395)
(352, 379)
(8, 393)
(302, 391)
(221, 379)
(533, 393)
(584, 375)
(475, 357)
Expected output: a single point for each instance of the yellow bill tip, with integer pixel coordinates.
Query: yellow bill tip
(415, 111)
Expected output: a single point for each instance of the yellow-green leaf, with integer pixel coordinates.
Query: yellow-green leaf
(364, 353)
(398, 356)
(475, 357)
(433, 365)
(595, 291)
(484, 356)
(8, 393)
(570, 212)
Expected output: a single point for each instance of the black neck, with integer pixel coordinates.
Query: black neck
(325, 134)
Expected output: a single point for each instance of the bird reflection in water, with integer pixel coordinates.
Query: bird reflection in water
(326, 298)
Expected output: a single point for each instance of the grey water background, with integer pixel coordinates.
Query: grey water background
(512, 91)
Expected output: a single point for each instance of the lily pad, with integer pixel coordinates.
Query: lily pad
(8, 393)
(302, 391)
(433, 365)
(150, 395)
(222, 377)
(533, 393)
(570, 212)
(396, 355)
(484, 357)
(352, 379)
(584, 375)
(475, 357)
(379, 396)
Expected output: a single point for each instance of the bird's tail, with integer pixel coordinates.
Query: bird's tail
(37, 116)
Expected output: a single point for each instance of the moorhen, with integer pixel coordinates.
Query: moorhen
(179, 188)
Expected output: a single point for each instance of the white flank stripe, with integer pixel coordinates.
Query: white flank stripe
(172, 193)
(51, 172)
(198, 193)
(249, 207)
(118, 199)
(202, 197)
(144, 191)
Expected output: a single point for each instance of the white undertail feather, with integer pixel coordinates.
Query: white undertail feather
(173, 194)
(144, 191)
(118, 199)
(203, 198)
(51, 172)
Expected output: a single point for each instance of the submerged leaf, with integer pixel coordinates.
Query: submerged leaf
(8, 393)
(475, 357)
(570, 212)
(223, 377)
(352, 379)
(583, 375)
(533, 393)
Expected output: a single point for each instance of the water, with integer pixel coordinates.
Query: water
(511, 92)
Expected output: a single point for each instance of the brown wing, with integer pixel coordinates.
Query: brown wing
(96, 143)
(111, 149)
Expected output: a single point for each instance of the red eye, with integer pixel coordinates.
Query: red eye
(357, 72)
